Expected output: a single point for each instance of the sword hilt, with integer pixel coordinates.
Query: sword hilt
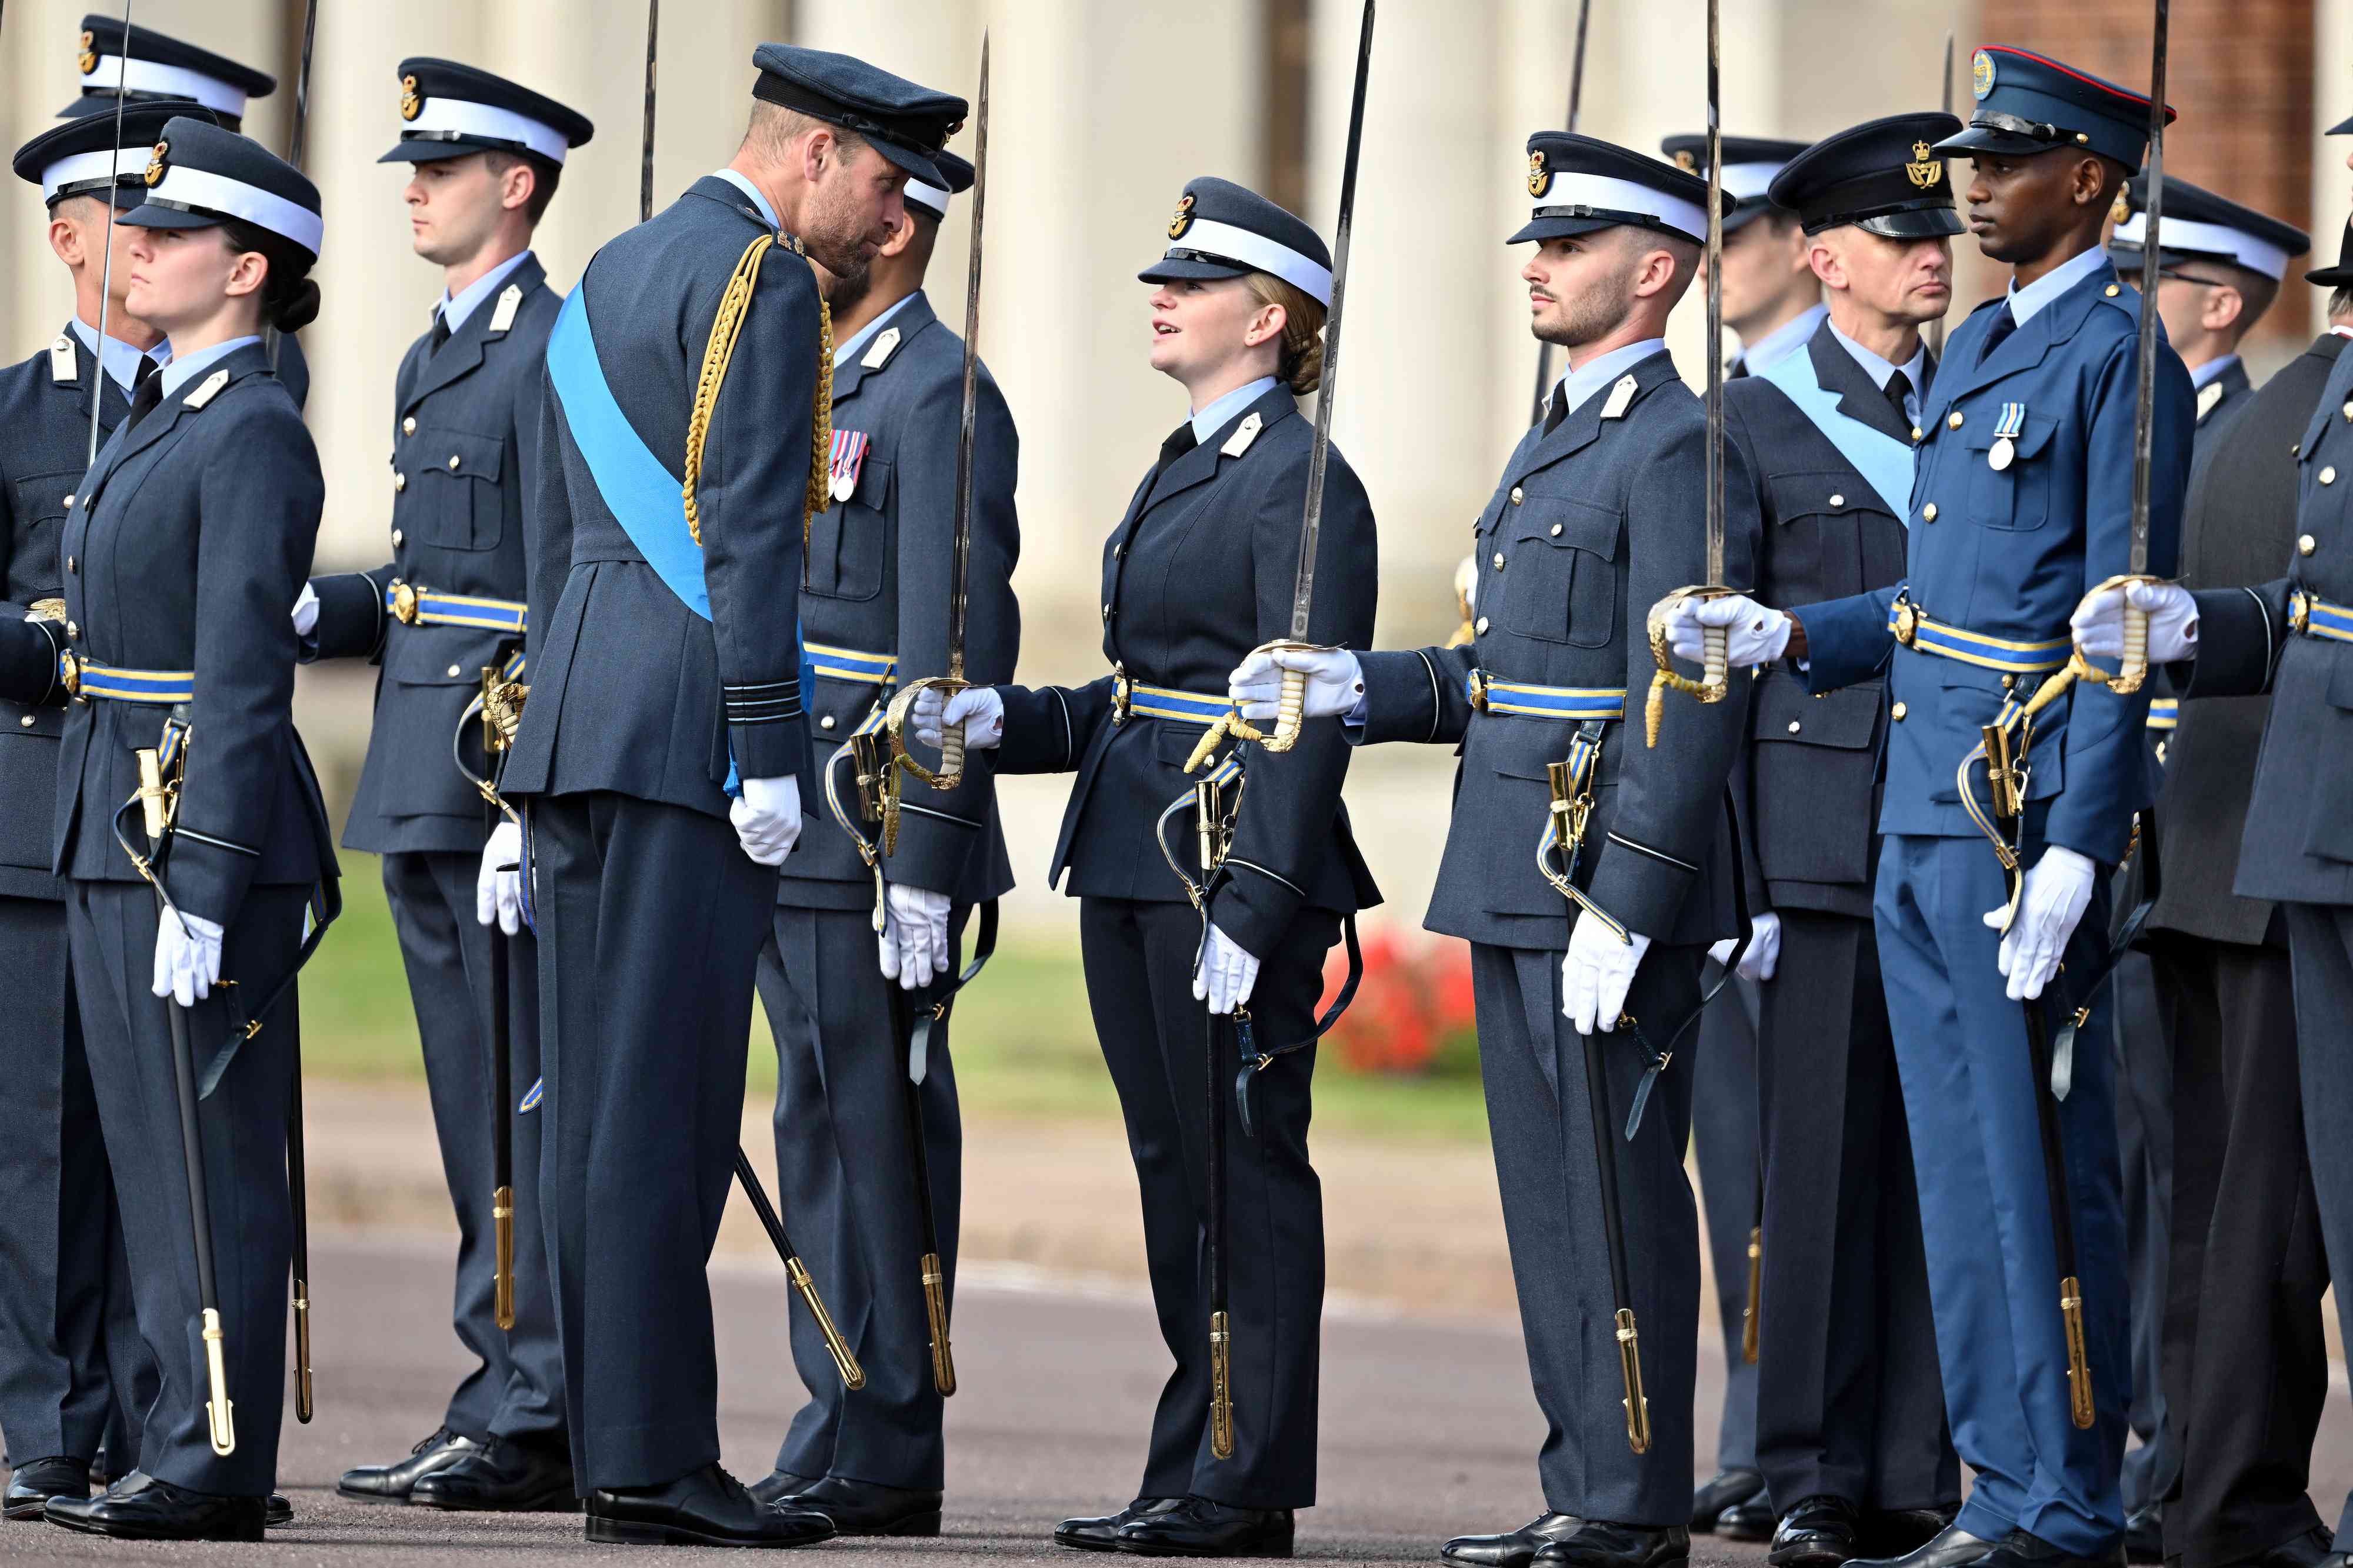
(303, 1406)
(935, 1308)
(853, 1376)
(1222, 1386)
(1289, 713)
(2132, 670)
(950, 773)
(2080, 1408)
(1630, 1368)
(1749, 1313)
(502, 1227)
(218, 1415)
(1715, 662)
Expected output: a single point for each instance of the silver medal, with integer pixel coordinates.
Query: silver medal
(2004, 450)
(845, 485)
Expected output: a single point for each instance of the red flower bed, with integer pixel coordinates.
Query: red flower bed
(1412, 1013)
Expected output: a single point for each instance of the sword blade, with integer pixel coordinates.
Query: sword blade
(298, 139)
(106, 270)
(646, 156)
(1715, 297)
(1311, 525)
(1575, 107)
(2144, 406)
(971, 411)
(1935, 333)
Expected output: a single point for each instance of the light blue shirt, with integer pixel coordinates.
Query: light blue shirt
(2024, 303)
(1583, 381)
(1879, 370)
(847, 352)
(2209, 370)
(455, 309)
(1206, 421)
(742, 182)
(120, 359)
(1782, 342)
(181, 372)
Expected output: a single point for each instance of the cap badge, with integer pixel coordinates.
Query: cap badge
(1926, 168)
(1981, 74)
(155, 162)
(1539, 177)
(2123, 207)
(1183, 220)
(411, 104)
(88, 60)
(1687, 161)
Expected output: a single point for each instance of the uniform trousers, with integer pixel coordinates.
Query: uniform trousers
(74, 1373)
(650, 918)
(242, 1124)
(846, 1186)
(1539, 1118)
(1851, 1402)
(2146, 1139)
(515, 1390)
(2320, 946)
(1724, 1145)
(1969, 1090)
(2247, 1361)
(1139, 967)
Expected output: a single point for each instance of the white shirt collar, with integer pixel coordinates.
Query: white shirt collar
(1582, 380)
(742, 182)
(847, 351)
(457, 308)
(120, 360)
(2210, 370)
(181, 372)
(2046, 289)
(1207, 422)
(1782, 341)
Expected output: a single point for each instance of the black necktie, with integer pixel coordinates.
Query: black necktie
(1180, 441)
(144, 400)
(1898, 388)
(1555, 409)
(2004, 323)
(440, 333)
(146, 373)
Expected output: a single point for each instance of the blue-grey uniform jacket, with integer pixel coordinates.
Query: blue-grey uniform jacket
(874, 592)
(44, 438)
(1590, 525)
(1199, 572)
(2003, 546)
(1809, 796)
(464, 428)
(2298, 843)
(631, 690)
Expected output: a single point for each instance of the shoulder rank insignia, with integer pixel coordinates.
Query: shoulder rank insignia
(1244, 434)
(2208, 396)
(878, 352)
(510, 301)
(209, 390)
(848, 460)
(63, 369)
(1621, 396)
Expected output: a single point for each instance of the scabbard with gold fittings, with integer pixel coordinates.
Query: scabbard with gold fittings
(1751, 1312)
(498, 706)
(853, 1376)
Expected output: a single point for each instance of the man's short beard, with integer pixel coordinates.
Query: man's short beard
(835, 235)
(849, 294)
(1589, 317)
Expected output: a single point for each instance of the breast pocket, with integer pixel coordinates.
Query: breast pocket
(847, 541)
(1819, 546)
(40, 503)
(455, 502)
(2015, 496)
(1560, 570)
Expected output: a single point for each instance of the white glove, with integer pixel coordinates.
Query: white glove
(978, 708)
(1595, 972)
(2058, 887)
(306, 612)
(768, 818)
(1757, 634)
(498, 886)
(1224, 976)
(1336, 682)
(2099, 621)
(1764, 951)
(187, 957)
(914, 935)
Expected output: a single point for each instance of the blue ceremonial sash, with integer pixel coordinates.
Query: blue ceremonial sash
(1882, 459)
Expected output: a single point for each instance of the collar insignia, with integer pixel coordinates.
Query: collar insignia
(510, 301)
(1621, 396)
(878, 352)
(1244, 434)
(210, 389)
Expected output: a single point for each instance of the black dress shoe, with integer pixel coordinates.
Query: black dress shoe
(1599, 1543)
(1892, 1532)
(34, 1483)
(1199, 1528)
(1514, 1548)
(1100, 1533)
(1751, 1519)
(1951, 1547)
(500, 1477)
(276, 1512)
(2145, 1534)
(2310, 1550)
(1820, 1532)
(1723, 1489)
(703, 1508)
(391, 1483)
(868, 1508)
(2024, 1549)
(141, 1508)
(778, 1485)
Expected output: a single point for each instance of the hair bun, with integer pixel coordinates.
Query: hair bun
(298, 308)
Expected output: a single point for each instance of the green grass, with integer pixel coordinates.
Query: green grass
(1024, 1045)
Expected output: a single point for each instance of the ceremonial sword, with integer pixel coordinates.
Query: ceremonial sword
(646, 158)
(1576, 102)
(106, 270)
(296, 147)
(499, 706)
(2134, 669)
(1935, 333)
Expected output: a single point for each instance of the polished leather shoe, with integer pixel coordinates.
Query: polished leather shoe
(2024, 1549)
(276, 1512)
(1748, 1520)
(778, 1485)
(391, 1483)
(35, 1482)
(1199, 1528)
(703, 1508)
(2145, 1534)
(500, 1477)
(1951, 1547)
(141, 1508)
(1514, 1548)
(868, 1508)
(1723, 1489)
(1100, 1533)
(2313, 1549)
(1599, 1543)
(1820, 1532)
(1892, 1532)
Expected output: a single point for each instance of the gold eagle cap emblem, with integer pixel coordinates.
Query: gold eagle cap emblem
(1687, 161)
(155, 162)
(411, 104)
(1926, 169)
(2122, 209)
(1539, 177)
(88, 59)
(1982, 75)
(1183, 220)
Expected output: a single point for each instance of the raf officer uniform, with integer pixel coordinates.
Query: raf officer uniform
(2021, 503)
(668, 670)
(1851, 1436)
(875, 597)
(449, 602)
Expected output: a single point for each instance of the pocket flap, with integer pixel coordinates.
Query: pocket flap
(2034, 434)
(439, 656)
(41, 498)
(1822, 495)
(47, 722)
(2340, 681)
(1564, 523)
(462, 453)
(1847, 719)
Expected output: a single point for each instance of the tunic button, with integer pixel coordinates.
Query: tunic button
(399, 480)
(2306, 544)
(397, 538)
(1555, 531)
(1954, 419)
(69, 566)
(72, 630)
(453, 672)
(1482, 626)
(1897, 712)
(1499, 561)
(2113, 290)
(1928, 512)
(2328, 475)
(1119, 553)
(2348, 413)
(26, 721)
(69, 500)
(453, 462)
(409, 426)
(1918, 434)
(826, 722)
(1838, 500)
(1517, 495)
(1794, 726)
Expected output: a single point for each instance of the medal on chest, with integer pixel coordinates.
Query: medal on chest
(2004, 450)
(849, 459)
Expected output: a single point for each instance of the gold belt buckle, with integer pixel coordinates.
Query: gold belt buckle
(404, 602)
(1122, 695)
(1478, 692)
(69, 674)
(1908, 621)
(2299, 612)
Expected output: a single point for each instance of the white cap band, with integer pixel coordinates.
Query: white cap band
(1747, 182)
(164, 81)
(1247, 247)
(931, 198)
(2207, 239)
(1687, 218)
(496, 124)
(207, 192)
(90, 168)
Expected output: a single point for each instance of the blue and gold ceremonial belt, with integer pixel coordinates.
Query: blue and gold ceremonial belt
(2165, 712)
(413, 607)
(1131, 697)
(2314, 616)
(92, 681)
(1519, 698)
(1913, 627)
(851, 664)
